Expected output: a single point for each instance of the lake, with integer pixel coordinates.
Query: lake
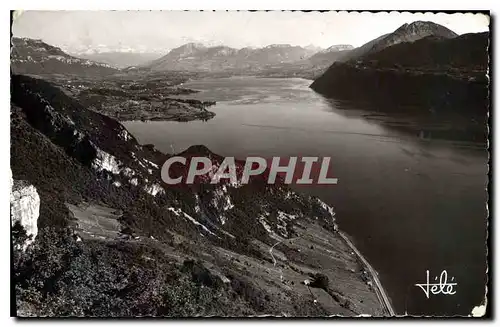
(411, 189)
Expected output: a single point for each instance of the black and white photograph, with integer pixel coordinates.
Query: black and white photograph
(244, 164)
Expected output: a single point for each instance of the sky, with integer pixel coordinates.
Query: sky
(160, 31)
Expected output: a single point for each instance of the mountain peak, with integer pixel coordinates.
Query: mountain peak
(425, 28)
(192, 46)
(278, 46)
(339, 47)
(29, 56)
(313, 47)
(410, 33)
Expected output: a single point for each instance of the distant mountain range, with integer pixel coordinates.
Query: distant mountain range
(197, 57)
(120, 59)
(36, 57)
(326, 57)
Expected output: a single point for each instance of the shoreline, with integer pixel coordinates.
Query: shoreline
(379, 289)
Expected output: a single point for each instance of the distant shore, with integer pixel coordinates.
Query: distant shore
(136, 97)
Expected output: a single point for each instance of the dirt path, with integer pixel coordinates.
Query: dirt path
(274, 259)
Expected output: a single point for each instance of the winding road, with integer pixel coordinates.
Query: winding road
(379, 289)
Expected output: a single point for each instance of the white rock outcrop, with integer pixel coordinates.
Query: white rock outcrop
(25, 208)
(154, 189)
(105, 161)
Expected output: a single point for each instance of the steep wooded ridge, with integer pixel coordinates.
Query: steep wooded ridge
(405, 33)
(114, 240)
(36, 57)
(439, 71)
(467, 52)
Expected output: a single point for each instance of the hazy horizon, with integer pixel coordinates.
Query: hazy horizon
(161, 31)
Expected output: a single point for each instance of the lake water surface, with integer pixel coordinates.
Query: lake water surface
(411, 195)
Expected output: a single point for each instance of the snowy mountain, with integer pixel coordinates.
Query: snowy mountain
(197, 57)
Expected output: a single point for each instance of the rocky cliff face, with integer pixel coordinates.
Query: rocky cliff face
(25, 209)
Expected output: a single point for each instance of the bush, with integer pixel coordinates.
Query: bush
(58, 276)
